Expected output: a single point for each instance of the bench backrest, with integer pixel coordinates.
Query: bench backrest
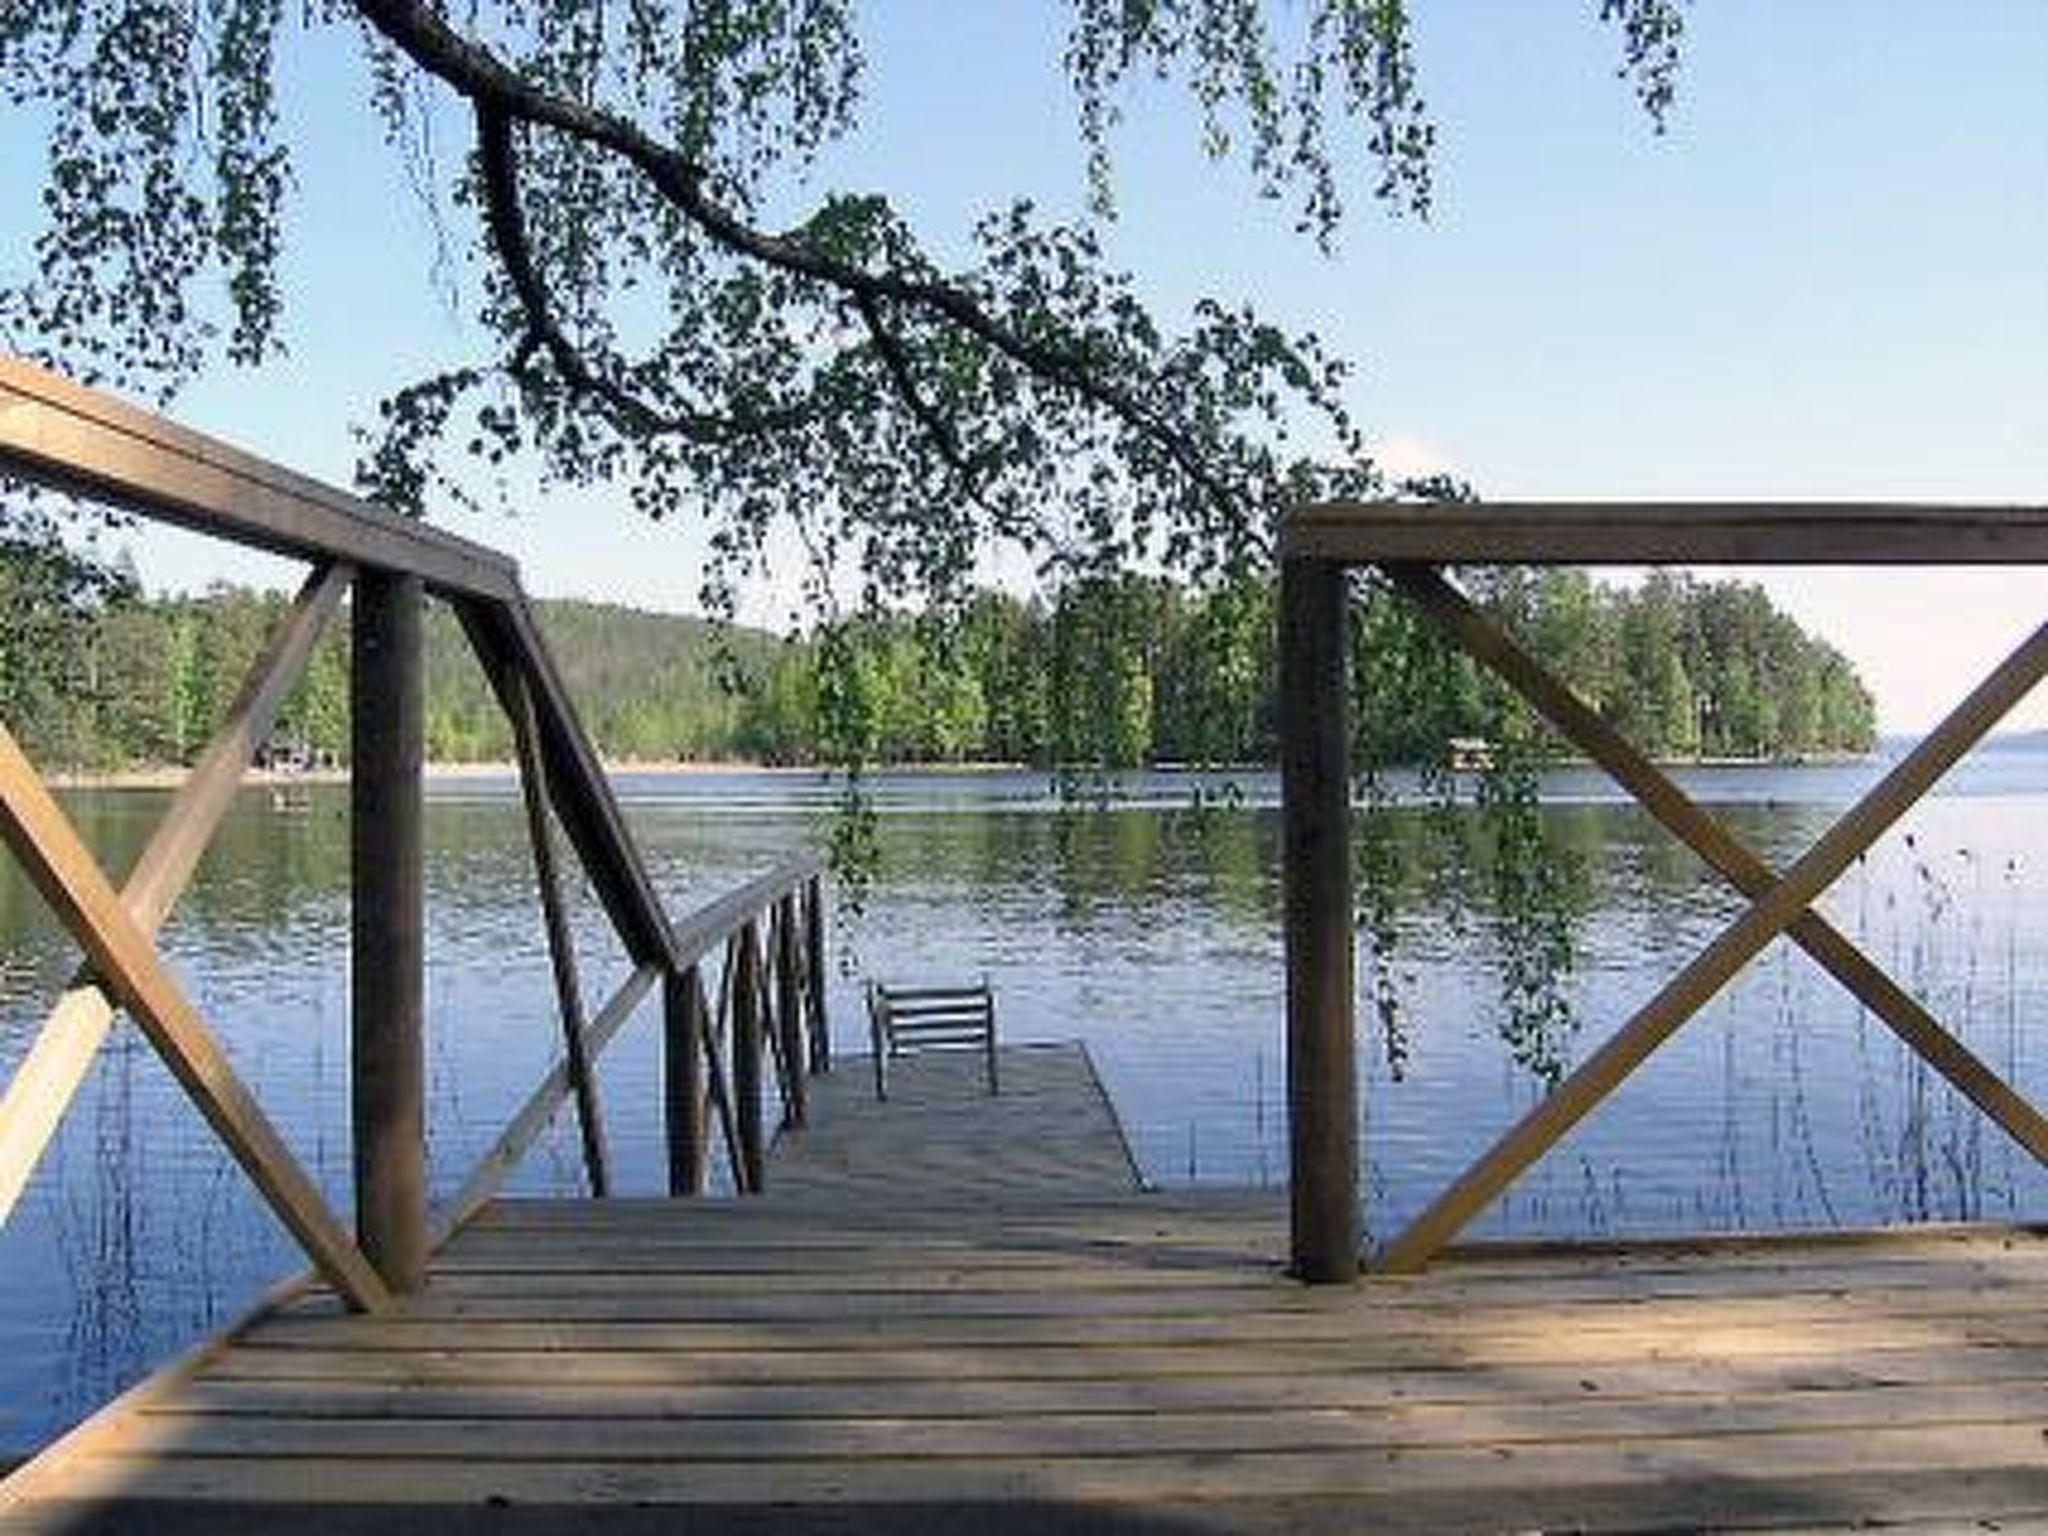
(912, 1017)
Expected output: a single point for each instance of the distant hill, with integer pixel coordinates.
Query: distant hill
(647, 685)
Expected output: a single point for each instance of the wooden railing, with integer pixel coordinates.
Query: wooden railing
(1409, 544)
(762, 1018)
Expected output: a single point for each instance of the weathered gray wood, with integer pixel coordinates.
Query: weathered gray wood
(622, 1360)
(682, 1068)
(814, 973)
(491, 1277)
(532, 1117)
(916, 1018)
(1663, 799)
(387, 711)
(653, 1304)
(789, 1018)
(1741, 1396)
(940, 1139)
(509, 643)
(1490, 1485)
(54, 1066)
(1236, 1392)
(1397, 1427)
(698, 933)
(717, 1080)
(1602, 1072)
(748, 1043)
(85, 441)
(1667, 533)
(773, 1036)
(1315, 779)
(561, 943)
(61, 868)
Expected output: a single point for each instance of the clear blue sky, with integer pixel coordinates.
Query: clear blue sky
(1825, 281)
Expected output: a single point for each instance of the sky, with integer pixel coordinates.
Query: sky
(1825, 280)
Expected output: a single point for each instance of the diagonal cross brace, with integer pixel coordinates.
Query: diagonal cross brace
(533, 789)
(44, 1083)
(131, 971)
(1777, 906)
(717, 1081)
(1685, 819)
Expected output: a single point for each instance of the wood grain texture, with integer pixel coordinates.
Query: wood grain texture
(1658, 794)
(1097, 1360)
(88, 442)
(961, 1314)
(1606, 1068)
(387, 925)
(1668, 533)
(533, 794)
(62, 869)
(941, 1137)
(1315, 873)
(49, 1074)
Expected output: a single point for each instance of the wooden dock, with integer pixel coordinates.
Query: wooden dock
(940, 1137)
(962, 1315)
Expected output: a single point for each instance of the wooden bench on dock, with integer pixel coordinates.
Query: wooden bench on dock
(944, 1018)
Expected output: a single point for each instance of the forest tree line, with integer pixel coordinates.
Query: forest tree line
(1111, 673)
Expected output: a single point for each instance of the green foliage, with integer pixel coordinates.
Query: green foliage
(647, 686)
(94, 677)
(1112, 673)
(51, 600)
(830, 376)
(1685, 669)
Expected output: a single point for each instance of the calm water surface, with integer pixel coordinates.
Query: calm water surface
(1145, 928)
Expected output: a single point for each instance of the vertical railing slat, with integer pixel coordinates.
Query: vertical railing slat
(796, 1056)
(682, 1060)
(745, 1002)
(814, 973)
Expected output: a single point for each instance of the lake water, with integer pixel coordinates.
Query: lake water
(1145, 928)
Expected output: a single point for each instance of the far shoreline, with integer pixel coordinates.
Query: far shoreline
(173, 775)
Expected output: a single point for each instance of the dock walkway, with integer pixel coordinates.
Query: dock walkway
(994, 1345)
(940, 1136)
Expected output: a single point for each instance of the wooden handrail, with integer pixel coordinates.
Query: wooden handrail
(1408, 542)
(726, 920)
(1666, 533)
(714, 922)
(80, 441)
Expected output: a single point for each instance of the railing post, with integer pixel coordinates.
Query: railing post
(814, 973)
(789, 1013)
(387, 955)
(746, 1055)
(682, 1061)
(1315, 789)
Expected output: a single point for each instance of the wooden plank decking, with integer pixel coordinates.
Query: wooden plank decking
(942, 1136)
(865, 1353)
